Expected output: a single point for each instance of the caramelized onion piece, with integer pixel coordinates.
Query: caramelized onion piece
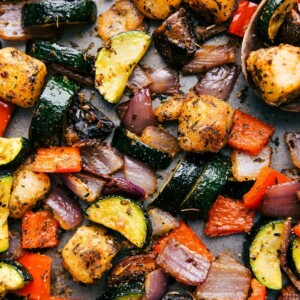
(139, 113)
(289, 292)
(99, 158)
(186, 266)
(227, 279)
(140, 174)
(203, 33)
(156, 285)
(281, 200)
(160, 139)
(65, 210)
(123, 187)
(218, 82)
(209, 56)
(138, 79)
(164, 81)
(85, 186)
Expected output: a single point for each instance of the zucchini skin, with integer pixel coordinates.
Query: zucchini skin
(139, 150)
(55, 53)
(56, 12)
(209, 184)
(179, 183)
(236, 189)
(51, 109)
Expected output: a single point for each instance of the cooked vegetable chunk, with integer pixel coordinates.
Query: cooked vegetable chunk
(22, 77)
(88, 253)
(157, 9)
(204, 124)
(120, 17)
(276, 72)
(28, 188)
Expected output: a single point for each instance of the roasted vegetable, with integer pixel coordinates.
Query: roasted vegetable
(116, 60)
(6, 110)
(275, 87)
(88, 253)
(22, 77)
(204, 124)
(292, 140)
(174, 39)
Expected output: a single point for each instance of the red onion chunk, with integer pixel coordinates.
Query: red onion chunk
(99, 158)
(157, 283)
(85, 186)
(281, 200)
(218, 82)
(227, 280)
(65, 210)
(164, 81)
(209, 56)
(123, 187)
(139, 113)
(15, 249)
(161, 139)
(140, 174)
(138, 79)
(162, 222)
(184, 265)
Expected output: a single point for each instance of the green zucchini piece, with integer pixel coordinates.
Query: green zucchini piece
(179, 182)
(116, 61)
(130, 144)
(55, 53)
(208, 185)
(294, 255)
(264, 254)
(57, 12)
(51, 109)
(5, 190)
(236, 189)
(132, 290)
(123, 215)
(13, 275)
(272, 17)
(13, 152)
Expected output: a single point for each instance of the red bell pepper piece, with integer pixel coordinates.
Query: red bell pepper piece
(39, 267)
(266, 177)
(184, 235)
(242, 17)
(57, 159)
(259, 291)
(6, 110)
(296, 230)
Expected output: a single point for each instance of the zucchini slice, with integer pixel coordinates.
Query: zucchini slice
(57, 12)
(179, 183)
(51, 109)
(208, 185)
(13, 275)
(13, 152)
(130, 144)
(236, 189)
(264, 254)
(5, 190)
(123, 215)
(272, 17)
(295, 255)
(55, 53)
(116, 61)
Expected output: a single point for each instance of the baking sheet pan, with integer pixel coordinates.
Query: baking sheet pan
(241, 97)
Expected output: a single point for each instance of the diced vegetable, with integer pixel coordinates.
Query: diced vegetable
(58, 12)
(248, 133)
(57, 160)
(156, 284)
(259, 291)
(184, 235)
(228, 216)
(296, 230)
(242, 17)
(28, 188)
(88, 253)
(5, 190)
(123, 215)
(39, 266)
(116, 61)
(6, 110)
(205, 32)
(39, 230)
(293, 141)
(24, 77)
(236, 189)
(246, 166)
(52, 107)
(266, 177)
